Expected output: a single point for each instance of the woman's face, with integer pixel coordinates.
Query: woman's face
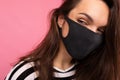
(92, 14)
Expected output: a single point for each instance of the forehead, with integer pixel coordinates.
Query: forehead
(97, 9)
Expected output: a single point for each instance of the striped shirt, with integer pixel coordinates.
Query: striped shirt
(25, 71)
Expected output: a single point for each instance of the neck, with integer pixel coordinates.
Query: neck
(63, 59)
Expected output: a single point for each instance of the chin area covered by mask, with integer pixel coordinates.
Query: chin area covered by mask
(80, 41)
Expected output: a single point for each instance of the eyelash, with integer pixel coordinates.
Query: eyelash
(82, 22)
(85, 23)
(101, 29)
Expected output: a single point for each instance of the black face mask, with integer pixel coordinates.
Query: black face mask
(80, 41)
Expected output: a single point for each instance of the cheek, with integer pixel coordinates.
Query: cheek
(65, 29)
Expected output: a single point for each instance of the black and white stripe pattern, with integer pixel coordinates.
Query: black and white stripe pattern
(22, 71)
(67, 74)
(25, 71)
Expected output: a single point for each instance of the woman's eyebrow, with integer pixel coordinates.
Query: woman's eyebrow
(90, 18)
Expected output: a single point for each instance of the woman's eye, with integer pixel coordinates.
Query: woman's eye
(82, 22)
(102, 29)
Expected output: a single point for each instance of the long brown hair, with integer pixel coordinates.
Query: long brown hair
(101, 64)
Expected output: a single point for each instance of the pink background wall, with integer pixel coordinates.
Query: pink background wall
(23, 24)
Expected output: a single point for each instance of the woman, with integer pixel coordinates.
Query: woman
(82, 44)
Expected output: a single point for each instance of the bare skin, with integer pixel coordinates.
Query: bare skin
(93, 14)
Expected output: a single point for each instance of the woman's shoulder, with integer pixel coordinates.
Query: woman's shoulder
(22, 71)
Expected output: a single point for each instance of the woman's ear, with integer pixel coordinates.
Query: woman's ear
(60, 20)
(63, 25)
